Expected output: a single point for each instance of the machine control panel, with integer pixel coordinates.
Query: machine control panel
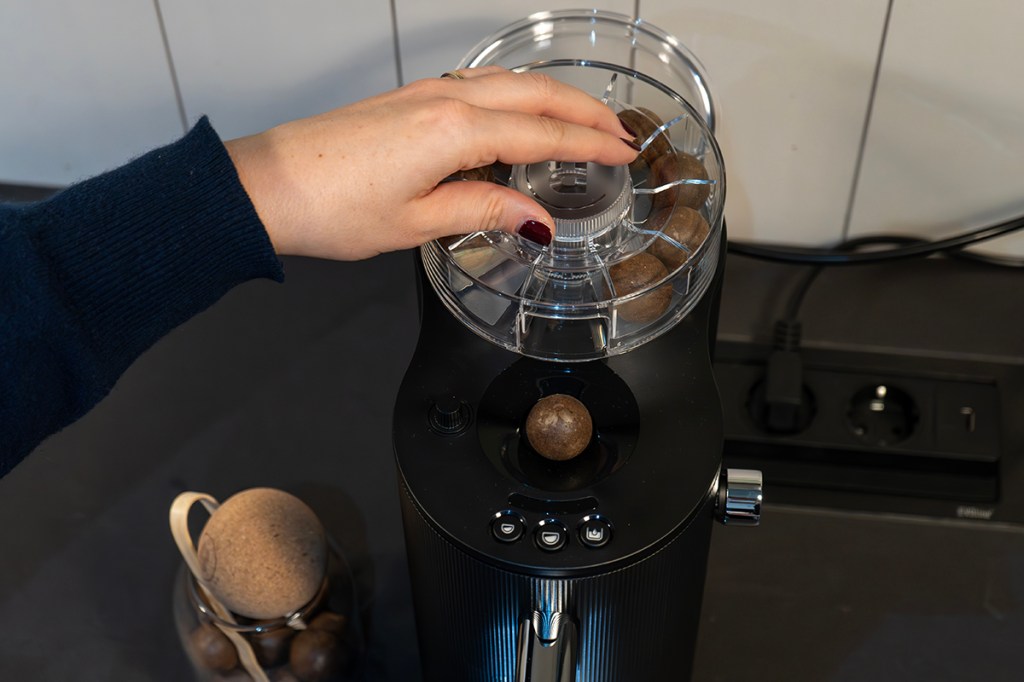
(551, 534)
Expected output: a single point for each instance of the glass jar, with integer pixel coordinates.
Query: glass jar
(321, 642)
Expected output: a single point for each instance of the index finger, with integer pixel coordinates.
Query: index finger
(520, 138)
(534, 93)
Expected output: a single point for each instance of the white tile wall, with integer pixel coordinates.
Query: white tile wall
(434, 36)
(85, 86)
(945, 150)
(251, 64)
(791, 78)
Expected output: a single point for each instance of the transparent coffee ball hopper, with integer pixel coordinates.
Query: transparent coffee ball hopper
(635, 247)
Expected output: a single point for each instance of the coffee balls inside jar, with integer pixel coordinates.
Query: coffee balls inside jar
(685, 226)
(212, 648)
(637, 273)
(319, 656)
(559, 427)
(672, 168)
(263, 554)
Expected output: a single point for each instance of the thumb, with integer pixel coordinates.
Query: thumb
(466, 206)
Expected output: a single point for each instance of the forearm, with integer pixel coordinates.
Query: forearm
(92, 277)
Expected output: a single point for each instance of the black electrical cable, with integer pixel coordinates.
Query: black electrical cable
(796, 299)
(919, 248)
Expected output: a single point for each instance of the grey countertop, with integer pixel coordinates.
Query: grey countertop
(292, 386)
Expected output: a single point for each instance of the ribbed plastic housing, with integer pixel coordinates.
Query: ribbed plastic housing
(639, 622)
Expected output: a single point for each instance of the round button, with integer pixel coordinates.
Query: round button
(449, 416)
(595, 531)
(507, 526)
(551, 535)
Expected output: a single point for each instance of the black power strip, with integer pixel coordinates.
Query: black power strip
(880, 432)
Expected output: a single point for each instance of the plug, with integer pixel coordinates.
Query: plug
(781, 403)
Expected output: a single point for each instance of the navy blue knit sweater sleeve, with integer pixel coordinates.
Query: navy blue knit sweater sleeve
(93, 276)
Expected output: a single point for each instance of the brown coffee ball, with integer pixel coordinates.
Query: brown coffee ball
(635, 274)
(481, 174)
(271, 646)
(213, 649)
(678, 166)
(559, 427)
(318, 656)
(686, 226)
(334, 623)
(283, 675)
(263, 553)
(644, 122)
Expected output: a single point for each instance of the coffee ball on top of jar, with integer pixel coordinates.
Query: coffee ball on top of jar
(559, 427)
(263, 554)
(672, 168)
(637, 273)
(685, 226)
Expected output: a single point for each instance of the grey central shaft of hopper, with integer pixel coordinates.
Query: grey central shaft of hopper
(585, 199)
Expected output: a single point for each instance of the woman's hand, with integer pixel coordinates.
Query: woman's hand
(363, 179)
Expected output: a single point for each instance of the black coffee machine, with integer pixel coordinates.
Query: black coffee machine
(591, 569)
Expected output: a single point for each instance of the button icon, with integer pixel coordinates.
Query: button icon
(507, 526)
(595, 531)
(551, 535)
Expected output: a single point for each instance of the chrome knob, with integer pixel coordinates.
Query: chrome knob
(739, 497)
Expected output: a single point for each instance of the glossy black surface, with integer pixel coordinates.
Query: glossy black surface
(654, 459)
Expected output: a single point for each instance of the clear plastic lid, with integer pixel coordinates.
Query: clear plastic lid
(635, 247)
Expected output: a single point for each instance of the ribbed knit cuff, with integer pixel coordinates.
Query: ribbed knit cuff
(139, 250)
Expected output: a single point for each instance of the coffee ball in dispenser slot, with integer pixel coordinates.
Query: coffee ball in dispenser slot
(559, 427)
(263, 553)
(672, 168)
(635, 274)
(683, 225)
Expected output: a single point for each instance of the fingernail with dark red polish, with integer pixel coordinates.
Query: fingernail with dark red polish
(632, 145)
(535, 231)
(629, 131)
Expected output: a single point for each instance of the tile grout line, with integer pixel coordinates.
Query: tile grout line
(398, 51)
(848, 218)
(170, 65)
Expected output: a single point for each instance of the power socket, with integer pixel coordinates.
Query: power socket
(882, 432)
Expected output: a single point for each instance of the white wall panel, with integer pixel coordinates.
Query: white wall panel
(434, 36)
(84, 86)
(792, 79)
(945, 150)
(251, 64)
